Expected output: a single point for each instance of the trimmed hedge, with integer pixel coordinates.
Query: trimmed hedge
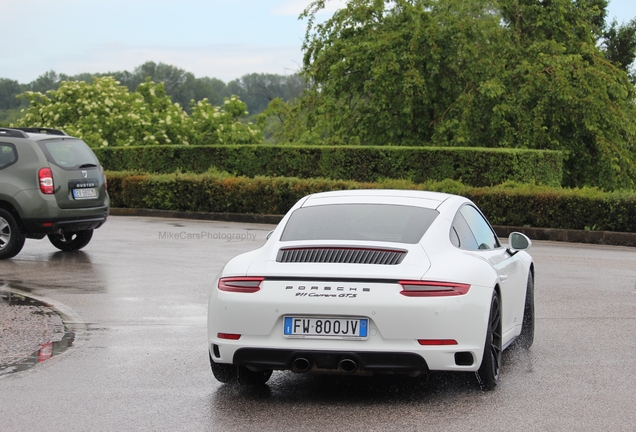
(510, 204)
(472, 166)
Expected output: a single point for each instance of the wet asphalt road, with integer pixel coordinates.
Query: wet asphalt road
(139, 361)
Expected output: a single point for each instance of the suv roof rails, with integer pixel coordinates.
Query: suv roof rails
(13, 133)
(47, 131)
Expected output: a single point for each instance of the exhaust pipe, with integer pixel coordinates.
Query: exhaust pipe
(347, 365)
(301, 365)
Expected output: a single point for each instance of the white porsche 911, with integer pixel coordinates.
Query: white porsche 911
(373, 281)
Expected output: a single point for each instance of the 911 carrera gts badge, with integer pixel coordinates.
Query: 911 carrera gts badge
(315, 294)
(326, 291)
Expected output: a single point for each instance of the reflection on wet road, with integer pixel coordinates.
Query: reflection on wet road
(32, 331)
(53, 271)
(140, 361)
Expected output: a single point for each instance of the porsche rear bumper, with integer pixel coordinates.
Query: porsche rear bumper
(397, 324)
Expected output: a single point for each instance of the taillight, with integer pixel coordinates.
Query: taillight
(105, 181)
(240, 284)
(432, 289)
(46, 181)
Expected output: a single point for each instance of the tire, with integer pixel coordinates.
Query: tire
(526, 338)
(488, 373)
(234, 374)
(11, 239)
(71, 241)
(224, 373)
(252, 378)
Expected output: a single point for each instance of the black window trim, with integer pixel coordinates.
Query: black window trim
(458, 213)
(15, 152)
(492, 230)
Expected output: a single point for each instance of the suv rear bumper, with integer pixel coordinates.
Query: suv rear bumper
(61, 225)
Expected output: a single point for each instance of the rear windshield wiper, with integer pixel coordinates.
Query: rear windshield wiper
(88, 165)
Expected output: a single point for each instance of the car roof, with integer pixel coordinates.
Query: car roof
(416, 198)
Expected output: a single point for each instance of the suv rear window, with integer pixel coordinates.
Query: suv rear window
(8, 155)
(372, 222)
(69, 154)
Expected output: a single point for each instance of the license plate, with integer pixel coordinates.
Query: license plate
(84, 193)
(326, 328)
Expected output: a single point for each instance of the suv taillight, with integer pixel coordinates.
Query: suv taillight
(46, 181)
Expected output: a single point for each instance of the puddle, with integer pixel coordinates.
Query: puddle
(61, 340)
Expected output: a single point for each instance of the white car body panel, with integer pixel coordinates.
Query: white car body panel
(396, 322)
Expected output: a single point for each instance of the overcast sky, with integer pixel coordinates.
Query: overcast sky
(224, 39)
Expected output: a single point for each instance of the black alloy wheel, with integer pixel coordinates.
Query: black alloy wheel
(488, 373)
(11, 239)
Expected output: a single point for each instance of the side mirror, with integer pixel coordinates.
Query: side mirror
(518, 241)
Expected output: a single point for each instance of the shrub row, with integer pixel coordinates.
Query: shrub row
(472, 166)
(509, 204)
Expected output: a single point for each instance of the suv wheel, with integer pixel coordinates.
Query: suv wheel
(11, 239)
(71, 241)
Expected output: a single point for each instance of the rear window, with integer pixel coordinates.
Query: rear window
(371, 222)
(69, 153)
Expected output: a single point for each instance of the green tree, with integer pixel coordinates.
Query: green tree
(45, 82)
(258, 90)
(105, 113)
(569, 22)
(563, 94)
(10, 104)
(620, 44)
(9, 90)
(494, 73)
(182, 86)
(382, 72)
(220, 125)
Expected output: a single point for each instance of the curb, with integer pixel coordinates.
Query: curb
(609, 238)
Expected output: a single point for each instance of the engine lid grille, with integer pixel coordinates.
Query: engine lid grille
(343, 255)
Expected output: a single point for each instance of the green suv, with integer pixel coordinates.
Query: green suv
(51, 185)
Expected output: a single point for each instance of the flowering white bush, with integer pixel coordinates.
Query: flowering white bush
(103, 113)
(219, 125)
